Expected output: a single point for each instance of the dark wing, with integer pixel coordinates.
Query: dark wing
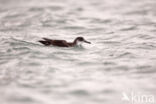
(60, 43)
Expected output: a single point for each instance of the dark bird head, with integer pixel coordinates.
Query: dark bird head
(80, 40)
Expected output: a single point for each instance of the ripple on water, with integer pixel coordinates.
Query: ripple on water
(79, 93)
(121, 57)
(130, 28)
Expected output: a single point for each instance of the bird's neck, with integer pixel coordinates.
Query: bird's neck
(75, 42)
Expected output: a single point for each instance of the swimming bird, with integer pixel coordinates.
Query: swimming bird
(63, 43)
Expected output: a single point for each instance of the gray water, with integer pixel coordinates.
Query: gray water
(120, 61)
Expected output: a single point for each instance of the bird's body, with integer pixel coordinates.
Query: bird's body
(62, 43)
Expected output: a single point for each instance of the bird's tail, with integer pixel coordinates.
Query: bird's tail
(46, 43)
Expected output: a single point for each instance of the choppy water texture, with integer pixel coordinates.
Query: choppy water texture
(121, 58)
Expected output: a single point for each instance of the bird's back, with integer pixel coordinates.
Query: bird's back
(60, 43)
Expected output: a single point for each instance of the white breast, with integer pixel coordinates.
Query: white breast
(79, 43)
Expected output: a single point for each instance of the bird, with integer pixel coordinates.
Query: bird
(63, 43)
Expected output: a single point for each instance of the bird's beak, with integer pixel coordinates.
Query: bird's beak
(87, 42)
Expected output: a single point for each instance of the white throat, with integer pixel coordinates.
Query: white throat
(79, 43)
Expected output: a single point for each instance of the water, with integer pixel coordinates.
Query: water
(121, 58)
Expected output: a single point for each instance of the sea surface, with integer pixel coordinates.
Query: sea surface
(119, 67)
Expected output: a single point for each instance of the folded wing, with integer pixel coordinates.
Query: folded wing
(47, 42)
